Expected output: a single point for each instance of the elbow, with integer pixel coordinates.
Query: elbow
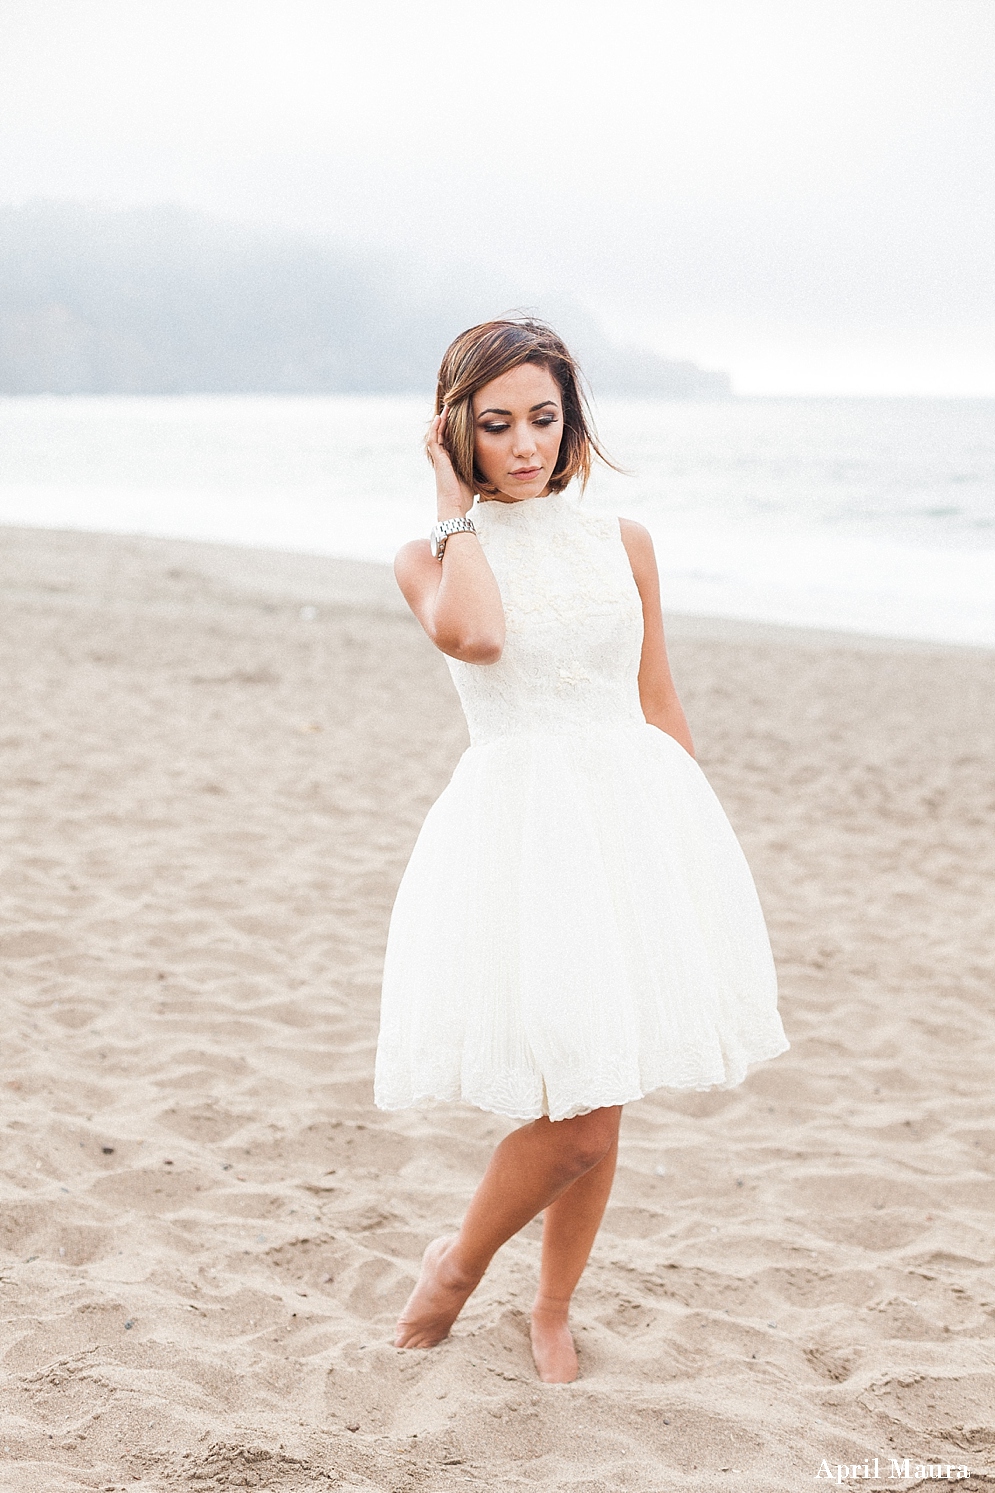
(482, 651)
(471, 648)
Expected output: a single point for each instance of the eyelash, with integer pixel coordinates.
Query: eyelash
(497, 429)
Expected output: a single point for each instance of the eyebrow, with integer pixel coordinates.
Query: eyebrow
(532, 409)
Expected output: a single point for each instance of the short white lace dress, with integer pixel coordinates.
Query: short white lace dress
(577, 924)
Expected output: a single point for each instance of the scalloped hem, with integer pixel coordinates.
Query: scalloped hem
(433, 1100)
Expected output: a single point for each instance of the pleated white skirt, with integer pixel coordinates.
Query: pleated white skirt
(577, 926)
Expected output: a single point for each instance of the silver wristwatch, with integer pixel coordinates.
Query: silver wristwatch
(442, 531)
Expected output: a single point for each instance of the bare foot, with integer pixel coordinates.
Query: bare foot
(436, 1300)
(553, 1346)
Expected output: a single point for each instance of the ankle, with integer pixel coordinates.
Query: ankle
(457, 1271)
(551, 1309)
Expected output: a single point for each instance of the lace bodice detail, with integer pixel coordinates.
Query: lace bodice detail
(574, 623)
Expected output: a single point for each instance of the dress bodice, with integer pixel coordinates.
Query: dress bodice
(574, 623)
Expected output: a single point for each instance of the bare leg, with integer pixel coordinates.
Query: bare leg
(569, 1227)
(527, 1172)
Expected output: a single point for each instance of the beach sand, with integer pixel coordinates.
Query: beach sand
(215, 762)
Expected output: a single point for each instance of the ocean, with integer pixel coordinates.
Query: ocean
(865, 515)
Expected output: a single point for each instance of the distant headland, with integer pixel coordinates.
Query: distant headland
(161, 300)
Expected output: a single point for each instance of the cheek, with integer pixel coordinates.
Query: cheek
(551, 438)
(487, 454)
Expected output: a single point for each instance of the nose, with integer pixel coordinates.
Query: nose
(524, 442)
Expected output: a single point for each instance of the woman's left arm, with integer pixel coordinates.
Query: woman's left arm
(657, 691)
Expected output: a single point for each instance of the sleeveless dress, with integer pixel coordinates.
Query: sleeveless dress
(577, 924)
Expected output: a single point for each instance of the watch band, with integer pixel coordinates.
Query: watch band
(442, 531)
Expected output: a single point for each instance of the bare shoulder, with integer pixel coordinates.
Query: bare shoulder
(639, 547)
(413, 559)
(412, 556)
(413, 564)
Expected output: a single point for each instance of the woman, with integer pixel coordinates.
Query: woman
(577, 925)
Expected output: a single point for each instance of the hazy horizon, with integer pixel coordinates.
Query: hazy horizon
(158, 300)
(803, 196)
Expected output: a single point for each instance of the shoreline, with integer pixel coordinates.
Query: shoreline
(255, 572)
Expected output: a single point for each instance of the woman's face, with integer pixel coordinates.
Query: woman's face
(518, 426)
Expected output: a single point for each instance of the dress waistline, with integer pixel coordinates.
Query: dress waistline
(565, 732)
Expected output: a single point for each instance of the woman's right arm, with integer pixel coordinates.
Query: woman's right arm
(456, 601)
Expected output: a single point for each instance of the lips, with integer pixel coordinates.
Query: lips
(523, 473)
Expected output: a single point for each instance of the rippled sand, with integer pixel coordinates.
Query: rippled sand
(215, 763)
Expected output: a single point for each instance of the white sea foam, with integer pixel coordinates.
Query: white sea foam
(853, 584)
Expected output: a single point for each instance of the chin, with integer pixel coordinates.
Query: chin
(533, 490)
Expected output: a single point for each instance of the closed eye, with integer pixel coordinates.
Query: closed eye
(495, 427)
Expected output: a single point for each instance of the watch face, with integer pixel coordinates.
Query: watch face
(434, 544)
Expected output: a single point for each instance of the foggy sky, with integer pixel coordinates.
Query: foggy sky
(802, 191)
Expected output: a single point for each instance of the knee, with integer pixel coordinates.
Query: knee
(587, 1139)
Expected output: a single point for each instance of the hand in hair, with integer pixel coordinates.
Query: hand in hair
(453, 497)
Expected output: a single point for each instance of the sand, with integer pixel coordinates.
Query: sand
(215, 763)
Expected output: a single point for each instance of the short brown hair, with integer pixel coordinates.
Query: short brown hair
(485, 352)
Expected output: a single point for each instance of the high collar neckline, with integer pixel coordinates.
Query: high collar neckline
(527, 509)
